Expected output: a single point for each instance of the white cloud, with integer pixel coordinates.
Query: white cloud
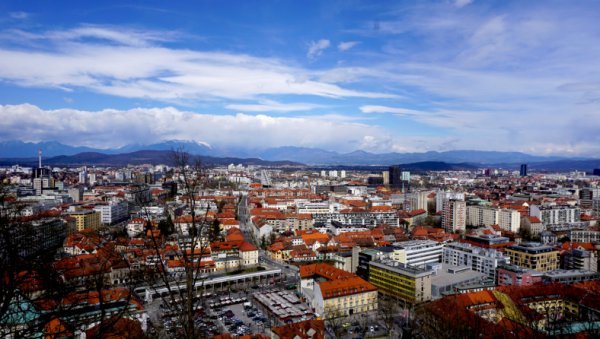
(346, 45)
(316, 48)
(386, 109)
(19, 15)
(130, 64)
(462, 3)
(113, 128)
(272, 106)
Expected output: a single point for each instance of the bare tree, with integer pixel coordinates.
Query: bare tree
(184, 293)
(387, 311)
(334, 321)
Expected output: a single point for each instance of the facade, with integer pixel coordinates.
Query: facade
(552, 215)
(409, 284)
(534, 256)
(488, 241)
(113, 212)
(585, 236)
(507, 219)
(333, 293)
(39, 236)
(523, 171)
(454, 216)
(417, 252)
(478, 259)
(86, 219)
(569, 276)
(511, 275)
(580, 259)
(367, 256)
(442, 196)
(395, 175)
(372, 219)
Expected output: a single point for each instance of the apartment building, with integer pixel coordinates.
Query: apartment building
(454, 215)
(534, 256)
(507, 219)
(585, 236)
(552, 215)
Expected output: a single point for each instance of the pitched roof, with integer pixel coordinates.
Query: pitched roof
(345, 286)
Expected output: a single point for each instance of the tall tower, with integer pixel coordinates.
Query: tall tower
(523, 171)
(40, 158)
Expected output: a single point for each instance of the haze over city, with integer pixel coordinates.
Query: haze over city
(336, 75)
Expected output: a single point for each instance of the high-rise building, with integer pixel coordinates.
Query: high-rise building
(587, 195)
(405, 181)
(76, 193)
(395, 175)
(523, 171)
(454, 215)
(83, 178)
(442, 196)
(386, 177)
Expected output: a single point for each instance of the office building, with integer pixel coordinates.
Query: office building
(113, 212)
(395, 176)
(403, 282)
(417, 253)
(86, 219)
(523, 171)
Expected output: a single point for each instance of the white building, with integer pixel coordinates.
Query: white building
(442, 196)
(454, 215)
(479, 259)
(113, 212)
(417, 252)
(507, 219)
(552, 215)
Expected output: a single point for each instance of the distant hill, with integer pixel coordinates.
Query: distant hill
(320, 157)
(137, 158)
(437, 166)
(312, 156)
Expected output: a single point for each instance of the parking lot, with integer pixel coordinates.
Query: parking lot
(236, 315)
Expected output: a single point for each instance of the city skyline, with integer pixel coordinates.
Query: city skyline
(384, 77)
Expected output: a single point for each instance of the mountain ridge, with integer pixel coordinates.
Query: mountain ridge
(305, 155)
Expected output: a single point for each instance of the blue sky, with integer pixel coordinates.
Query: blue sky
(339, 75)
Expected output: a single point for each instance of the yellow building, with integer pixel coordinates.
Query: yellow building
(534, 256)
(407, 283)
(86, 219)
